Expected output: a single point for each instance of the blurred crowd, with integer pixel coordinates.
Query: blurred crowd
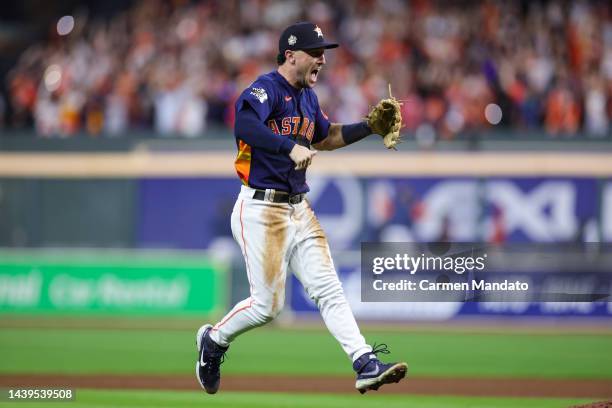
(176, 67)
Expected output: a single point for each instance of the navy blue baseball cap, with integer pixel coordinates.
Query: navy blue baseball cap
(303, 36)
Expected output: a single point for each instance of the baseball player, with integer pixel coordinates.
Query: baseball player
(278, 120)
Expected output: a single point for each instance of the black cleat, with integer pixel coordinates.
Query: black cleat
(372, 373)
(210, 357)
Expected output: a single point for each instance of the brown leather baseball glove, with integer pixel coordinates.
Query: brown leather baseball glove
(385, 119)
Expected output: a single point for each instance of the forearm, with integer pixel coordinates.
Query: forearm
(255, 133)
(340, 135)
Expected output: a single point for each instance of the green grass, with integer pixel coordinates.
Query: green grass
(307, 352)
(159, 399)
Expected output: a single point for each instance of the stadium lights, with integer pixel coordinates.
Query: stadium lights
(65, 25)
(493, 113)
(53, 77)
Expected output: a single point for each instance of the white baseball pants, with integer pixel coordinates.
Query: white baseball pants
(274, 238)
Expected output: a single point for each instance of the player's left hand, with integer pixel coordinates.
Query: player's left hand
(385, 119)
(301, 156)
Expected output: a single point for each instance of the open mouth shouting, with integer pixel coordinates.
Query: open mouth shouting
(313, 75)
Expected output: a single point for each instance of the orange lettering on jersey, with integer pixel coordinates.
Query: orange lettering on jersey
(272, 125)
(286, 124)
(296, 123)
(304, 126)
(310, 131)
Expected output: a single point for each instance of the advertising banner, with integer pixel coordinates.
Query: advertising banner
(195, 213)
(110, 283)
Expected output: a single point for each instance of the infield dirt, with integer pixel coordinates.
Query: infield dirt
(498, 387)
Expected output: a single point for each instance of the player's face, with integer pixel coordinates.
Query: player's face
(308, 66)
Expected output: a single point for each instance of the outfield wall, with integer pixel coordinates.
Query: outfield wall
(199, 285)
(182, 200)
(193, 213)
(146, 200)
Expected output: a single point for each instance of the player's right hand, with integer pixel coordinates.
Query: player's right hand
(301, 156)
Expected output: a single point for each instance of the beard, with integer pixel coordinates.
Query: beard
(302, 76)
(307, 76)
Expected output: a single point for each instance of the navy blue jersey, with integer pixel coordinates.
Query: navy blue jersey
(288, 112)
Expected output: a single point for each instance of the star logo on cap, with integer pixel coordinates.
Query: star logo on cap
(292, 40)
(318, 31)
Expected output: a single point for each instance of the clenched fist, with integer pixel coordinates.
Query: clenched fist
(301, 156)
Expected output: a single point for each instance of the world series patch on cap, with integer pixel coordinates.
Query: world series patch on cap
(303, 36)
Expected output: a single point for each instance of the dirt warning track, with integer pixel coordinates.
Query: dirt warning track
(491, 387)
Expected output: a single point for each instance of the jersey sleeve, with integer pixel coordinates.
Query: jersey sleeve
(255, 133)
(322, 123)
(260, 96)
(253, 108)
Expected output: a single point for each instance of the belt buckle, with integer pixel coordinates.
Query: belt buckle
(294, 199)
(269, 195)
